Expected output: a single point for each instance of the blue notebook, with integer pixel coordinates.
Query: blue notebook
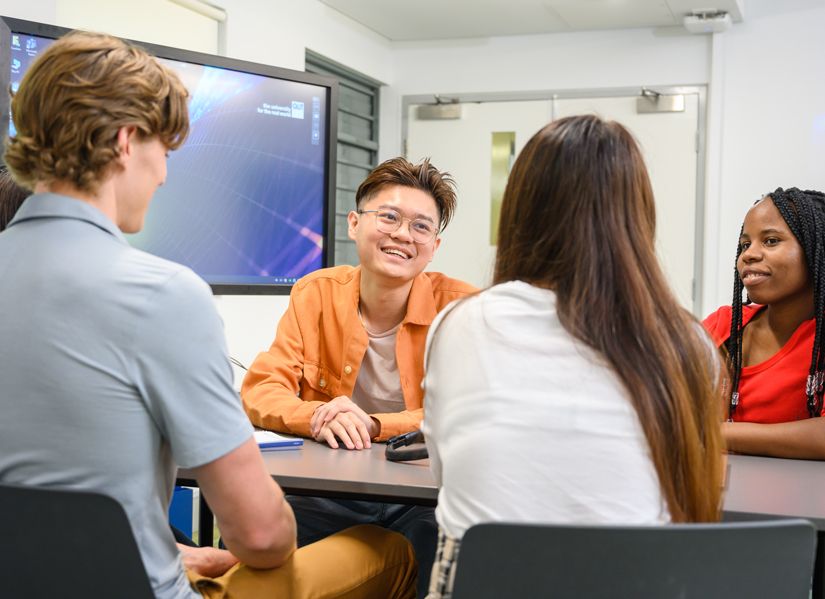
(269, 441)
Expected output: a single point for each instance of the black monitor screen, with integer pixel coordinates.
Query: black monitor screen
(246, 197)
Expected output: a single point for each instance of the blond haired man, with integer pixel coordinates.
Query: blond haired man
(117, 358)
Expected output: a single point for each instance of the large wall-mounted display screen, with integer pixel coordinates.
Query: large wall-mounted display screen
(246, 203)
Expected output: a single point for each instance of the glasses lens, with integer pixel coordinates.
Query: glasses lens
(422, 231)
(389, 221)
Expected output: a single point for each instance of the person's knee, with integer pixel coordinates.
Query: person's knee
(376, 536)
(380, 550)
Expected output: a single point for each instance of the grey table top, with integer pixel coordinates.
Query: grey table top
(366, 472)
(774, 486)
(315, 469)
(755, 485)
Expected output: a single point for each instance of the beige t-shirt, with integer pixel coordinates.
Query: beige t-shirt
(378, 386)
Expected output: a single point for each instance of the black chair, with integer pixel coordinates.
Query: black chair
(771, 560)
(67, 544)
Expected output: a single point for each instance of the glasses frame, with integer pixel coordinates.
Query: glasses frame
(401, 219)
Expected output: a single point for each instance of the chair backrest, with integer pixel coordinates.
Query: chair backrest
(60, 543)
(685, 561)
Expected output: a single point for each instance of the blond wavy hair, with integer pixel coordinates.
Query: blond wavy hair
(76, 96)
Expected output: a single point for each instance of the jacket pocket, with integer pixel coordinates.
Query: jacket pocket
(320, 380)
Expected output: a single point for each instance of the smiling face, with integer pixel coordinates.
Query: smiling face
(772, 262)
(395, 255)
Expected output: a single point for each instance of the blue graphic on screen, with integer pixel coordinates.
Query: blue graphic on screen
(243, 201)
(24, 49)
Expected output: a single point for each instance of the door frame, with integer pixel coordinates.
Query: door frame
(607, 92)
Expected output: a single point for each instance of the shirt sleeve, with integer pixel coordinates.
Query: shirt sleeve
(432, 402)
(270, 387)
(717, 325)
(185, 374)
(397, 423)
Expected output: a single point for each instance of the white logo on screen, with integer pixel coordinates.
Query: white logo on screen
(297, 110)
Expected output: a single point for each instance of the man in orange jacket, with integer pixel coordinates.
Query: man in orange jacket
(348, 357)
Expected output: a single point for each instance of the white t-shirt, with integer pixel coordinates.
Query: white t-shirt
(524, 423)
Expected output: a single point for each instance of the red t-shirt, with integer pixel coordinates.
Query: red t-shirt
(773, 391)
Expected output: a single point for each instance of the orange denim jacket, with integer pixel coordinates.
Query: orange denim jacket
(320, 343)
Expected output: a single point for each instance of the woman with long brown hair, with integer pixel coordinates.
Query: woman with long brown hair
(574, 389)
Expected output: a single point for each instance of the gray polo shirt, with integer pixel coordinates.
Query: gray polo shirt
(113, 368)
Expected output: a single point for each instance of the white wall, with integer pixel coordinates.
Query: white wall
(567, 61)
(560, 62)
(772, 124)
(766, 120)
(154, 21)
(273, 32)
(43, 10)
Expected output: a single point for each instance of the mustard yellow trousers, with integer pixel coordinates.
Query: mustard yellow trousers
(362, 562)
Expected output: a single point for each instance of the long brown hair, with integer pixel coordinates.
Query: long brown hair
(578, 217)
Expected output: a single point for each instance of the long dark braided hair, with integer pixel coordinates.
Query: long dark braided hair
(804, 213)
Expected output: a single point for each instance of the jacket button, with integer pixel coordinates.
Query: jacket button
(347, 369)
(322, 383)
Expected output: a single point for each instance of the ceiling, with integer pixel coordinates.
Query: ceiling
(416, 20)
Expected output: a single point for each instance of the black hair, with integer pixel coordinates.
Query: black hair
(804, 213)
(11, 197)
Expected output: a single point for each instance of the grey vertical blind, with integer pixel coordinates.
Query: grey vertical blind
(357, 142)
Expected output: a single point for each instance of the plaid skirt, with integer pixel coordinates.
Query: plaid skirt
(443, 576)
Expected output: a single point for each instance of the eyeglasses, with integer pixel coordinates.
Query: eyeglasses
(389, 221)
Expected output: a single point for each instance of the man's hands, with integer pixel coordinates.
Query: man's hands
(207, 561)
(342, 419)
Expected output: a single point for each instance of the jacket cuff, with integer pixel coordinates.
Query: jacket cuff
(393, 424)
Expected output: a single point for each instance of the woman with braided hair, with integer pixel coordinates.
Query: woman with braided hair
(773, 339)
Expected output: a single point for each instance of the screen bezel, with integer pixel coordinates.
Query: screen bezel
(9, 25)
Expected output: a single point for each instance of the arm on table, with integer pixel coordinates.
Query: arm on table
(801, 439)
(270, 387)
(256, 522)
